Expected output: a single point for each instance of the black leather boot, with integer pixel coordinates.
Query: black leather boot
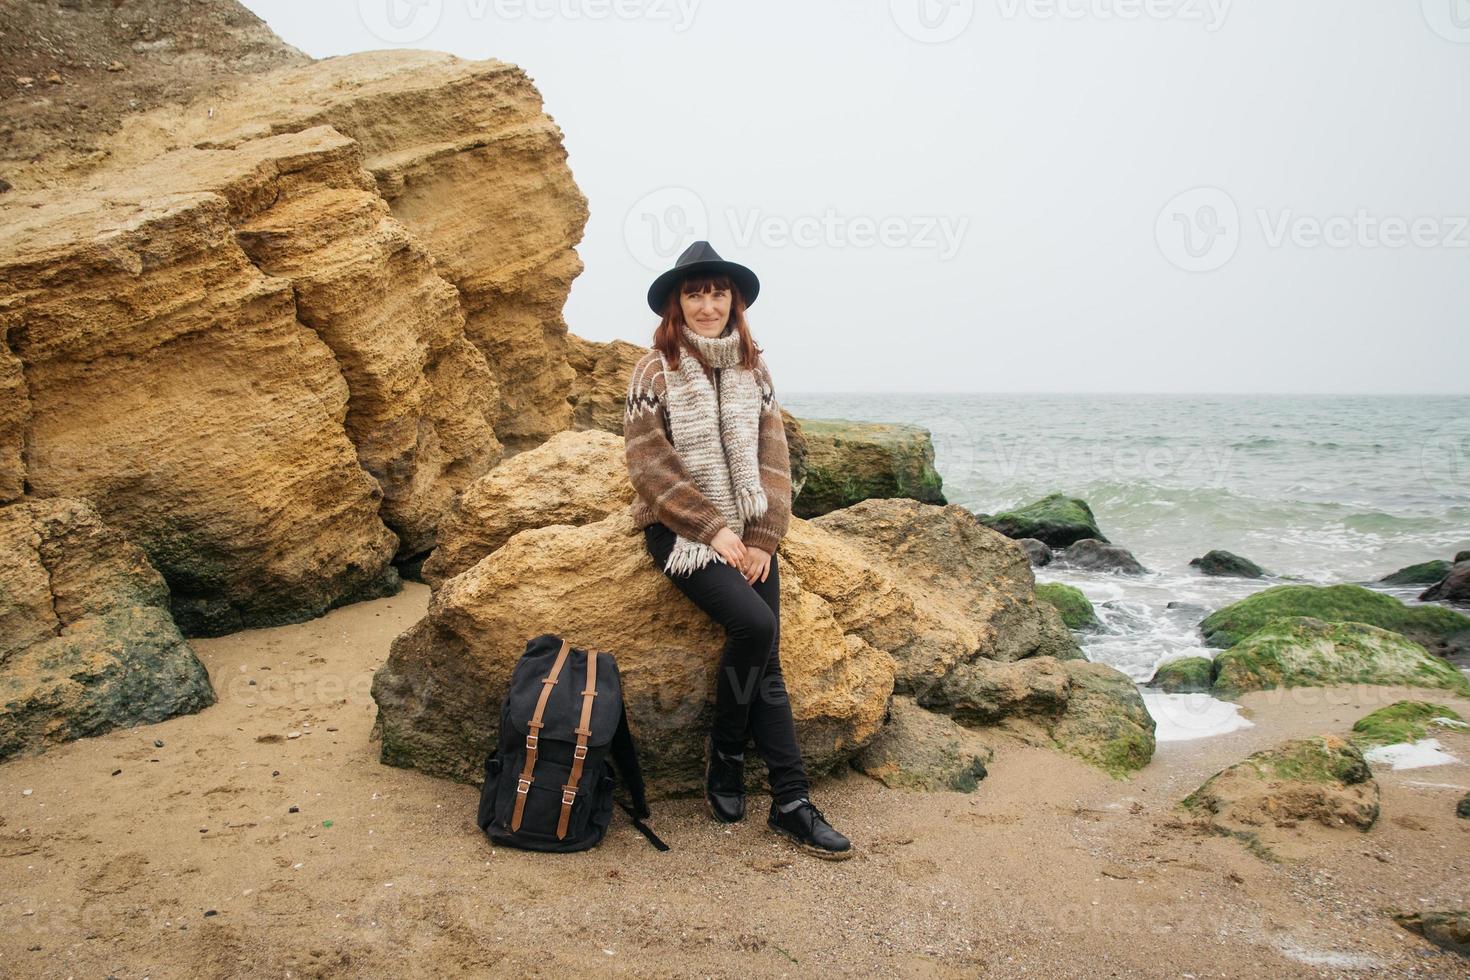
(724, 784)
(810, 830)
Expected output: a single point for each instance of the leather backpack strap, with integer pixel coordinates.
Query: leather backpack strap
(579, 753)
(523, 784)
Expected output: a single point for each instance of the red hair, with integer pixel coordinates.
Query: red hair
(666, 336)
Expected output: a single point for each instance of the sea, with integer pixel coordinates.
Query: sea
(1320, 489)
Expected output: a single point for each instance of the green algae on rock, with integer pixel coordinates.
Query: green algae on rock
(849, 462)
(1400, 722)
(1322, 780)
(1300, 651)
(1225, 563)
(1075, 609)
(1424, 573)
(1433, 627)
(1186, 675)
(1056, 519)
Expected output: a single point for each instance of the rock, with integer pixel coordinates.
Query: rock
(1225, 564)
(1106, 722)
(572, 478)
(1424, 573)
(1462, 809)
(1074, 607)
(918, 749)
(1446, 928)
(1454, 588)
(1185, 675)
(984, 691)
(1037, 551)
(87, 644)
(1440, 631)
(1400, 722)
(1318, 781)
(848, 462)
(929, 584)
(1056, 520)
(1300, 651)
(1099, 556)
(439, 692)
(1462, 556)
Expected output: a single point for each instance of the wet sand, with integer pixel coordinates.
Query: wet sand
(114, 862)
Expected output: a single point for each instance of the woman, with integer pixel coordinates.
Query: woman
(706, 451)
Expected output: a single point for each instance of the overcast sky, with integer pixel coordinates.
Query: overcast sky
(1010, 195)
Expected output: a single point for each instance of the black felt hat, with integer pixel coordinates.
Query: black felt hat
(700, 258)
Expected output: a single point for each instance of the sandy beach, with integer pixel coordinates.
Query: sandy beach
(126, 858)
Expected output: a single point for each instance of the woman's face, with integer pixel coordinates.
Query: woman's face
(706, 312)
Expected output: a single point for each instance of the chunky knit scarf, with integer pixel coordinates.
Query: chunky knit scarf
(716, 432)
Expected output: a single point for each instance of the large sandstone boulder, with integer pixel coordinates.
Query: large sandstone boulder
(439, 692)
(848, 462)
(86, 641)
(1275, 798)
(1300, 651)
(571, 478)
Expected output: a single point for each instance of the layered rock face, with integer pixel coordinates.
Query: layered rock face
(255, 338)
(86, 641)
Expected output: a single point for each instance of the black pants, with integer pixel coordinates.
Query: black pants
(750, 691)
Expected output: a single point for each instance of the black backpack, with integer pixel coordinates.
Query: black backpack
(549, 781)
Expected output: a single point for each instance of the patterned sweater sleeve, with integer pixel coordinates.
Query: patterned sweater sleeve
(766, 531)
(654, 466)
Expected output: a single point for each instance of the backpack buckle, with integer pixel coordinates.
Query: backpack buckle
(579, 751)
(568, 796)
(531, 741)
(523, 786)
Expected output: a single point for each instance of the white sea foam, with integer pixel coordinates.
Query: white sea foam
(1181, 717)
(1404, 755)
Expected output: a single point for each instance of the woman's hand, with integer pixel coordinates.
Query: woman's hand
(757, 564)
(729, 547)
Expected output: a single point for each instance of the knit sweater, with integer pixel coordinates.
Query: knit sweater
(666, 493)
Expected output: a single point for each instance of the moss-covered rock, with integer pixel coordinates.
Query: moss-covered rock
(923, 750)
(1226, 564)
(1424, 573)
(1402, 721)
(1438, 630)
(1184, 676)
(1076, 610)
(1321, 781)
(1106, 721)
(1300, 651)
(1462, 809)
(1056, 519)
(848, 462)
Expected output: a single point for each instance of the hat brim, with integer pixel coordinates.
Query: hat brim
(749, 285)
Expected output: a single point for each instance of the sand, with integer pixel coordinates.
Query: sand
(130, 859)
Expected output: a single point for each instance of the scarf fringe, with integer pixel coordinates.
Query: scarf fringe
(750, 503)
(690, 556)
